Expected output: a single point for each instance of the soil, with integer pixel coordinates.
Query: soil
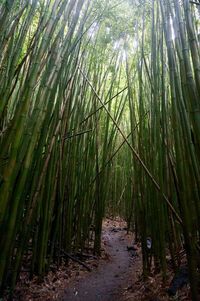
(113, 277)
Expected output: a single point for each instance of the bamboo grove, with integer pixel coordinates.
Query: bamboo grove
(99, 114)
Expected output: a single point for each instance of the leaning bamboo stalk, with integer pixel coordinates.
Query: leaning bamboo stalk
(135, 153)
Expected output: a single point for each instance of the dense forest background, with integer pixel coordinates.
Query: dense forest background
(99, 114)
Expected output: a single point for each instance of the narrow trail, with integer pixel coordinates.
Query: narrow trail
(108, 282)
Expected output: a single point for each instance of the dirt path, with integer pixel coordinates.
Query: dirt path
(117, 278)
(108, 282)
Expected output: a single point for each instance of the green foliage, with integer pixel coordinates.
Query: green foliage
(99, 114)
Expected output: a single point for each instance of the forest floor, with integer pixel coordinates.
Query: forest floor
(115, 276)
